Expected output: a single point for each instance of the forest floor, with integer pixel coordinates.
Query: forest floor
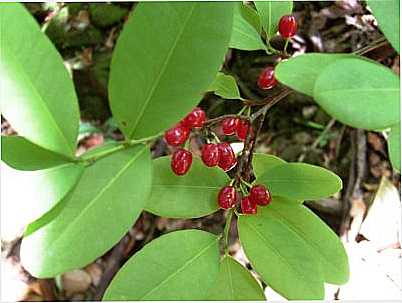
(366, 214)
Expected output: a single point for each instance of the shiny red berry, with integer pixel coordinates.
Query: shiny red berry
(177, 135)
(227, 157)
(260, 195)
(243, 127)
(287, 26)
(229, 126)
(194, 119)
(181, 161)
(227, 197)
(247, 206)
(267, 79)
(210, 154)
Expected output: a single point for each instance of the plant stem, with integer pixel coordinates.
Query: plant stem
(285, 47)
(227, 229)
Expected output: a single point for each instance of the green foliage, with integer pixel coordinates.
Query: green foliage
(191, 196)
(225, 86)
(165, 66)
(245, 35)
(235, 283)
(394, 146)
(106, 201)
(103, 14)
(359, 93)
(387, 14)
(264, 162)
(38, 97)
(282, 258)
(181, 265)
(21, 154)
(301, 72)
(270, 13)
(34, 193)
(300, 181)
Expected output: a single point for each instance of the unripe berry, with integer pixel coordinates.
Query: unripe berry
(181, 161)
(287, 26)
(229, 126)
(177, 135)
(210, 154)
(260, 195)
(267, 79)
(247, 206)
(243, 127)
(227, 197)
(194, 119)
(227, 157)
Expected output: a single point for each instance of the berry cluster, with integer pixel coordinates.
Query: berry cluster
(258, 195)
(287, 29)
(177, 135)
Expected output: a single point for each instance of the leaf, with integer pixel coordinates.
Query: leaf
(225, 86)
(325, 243)
(37, 95)
(394, 146)
(359, 93)
(192, 196)
(181, 265)
(300, 181)
(27, 195)
(387, 14)
(250, 15)
(104, 14)
(264, 162)
(21, 154)
(270, 13)
(165, 58)
(280, 256)
(105, 203)
(301, 72)
(244, 34)
(235, 283)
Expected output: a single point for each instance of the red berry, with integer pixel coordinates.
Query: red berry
(181, 161)
(210, 154)
(267, 79)
(227, 157)
(177, 135)
(194, 119)
(227, 197)
(287, 26)
(229, 126)
(260, 195)
(247, 206)
(243, 127)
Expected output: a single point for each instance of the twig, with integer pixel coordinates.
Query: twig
(48, 289)
(269, 102)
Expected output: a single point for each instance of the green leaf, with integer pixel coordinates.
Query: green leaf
(244, 34)
(325, 243)
(301, 72)
(271, 12)
(27, 195)
(300, 181)
(37, 95)
(387, 14)
(181, 265)
(225, 86)
(394, 146)
(21, 154)
(250, 15)
(263, 163)
(359, 93)
(106, 201)
(165, 58)
(191, 196)
(281, 256)
(235, 283)
(103, 14)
